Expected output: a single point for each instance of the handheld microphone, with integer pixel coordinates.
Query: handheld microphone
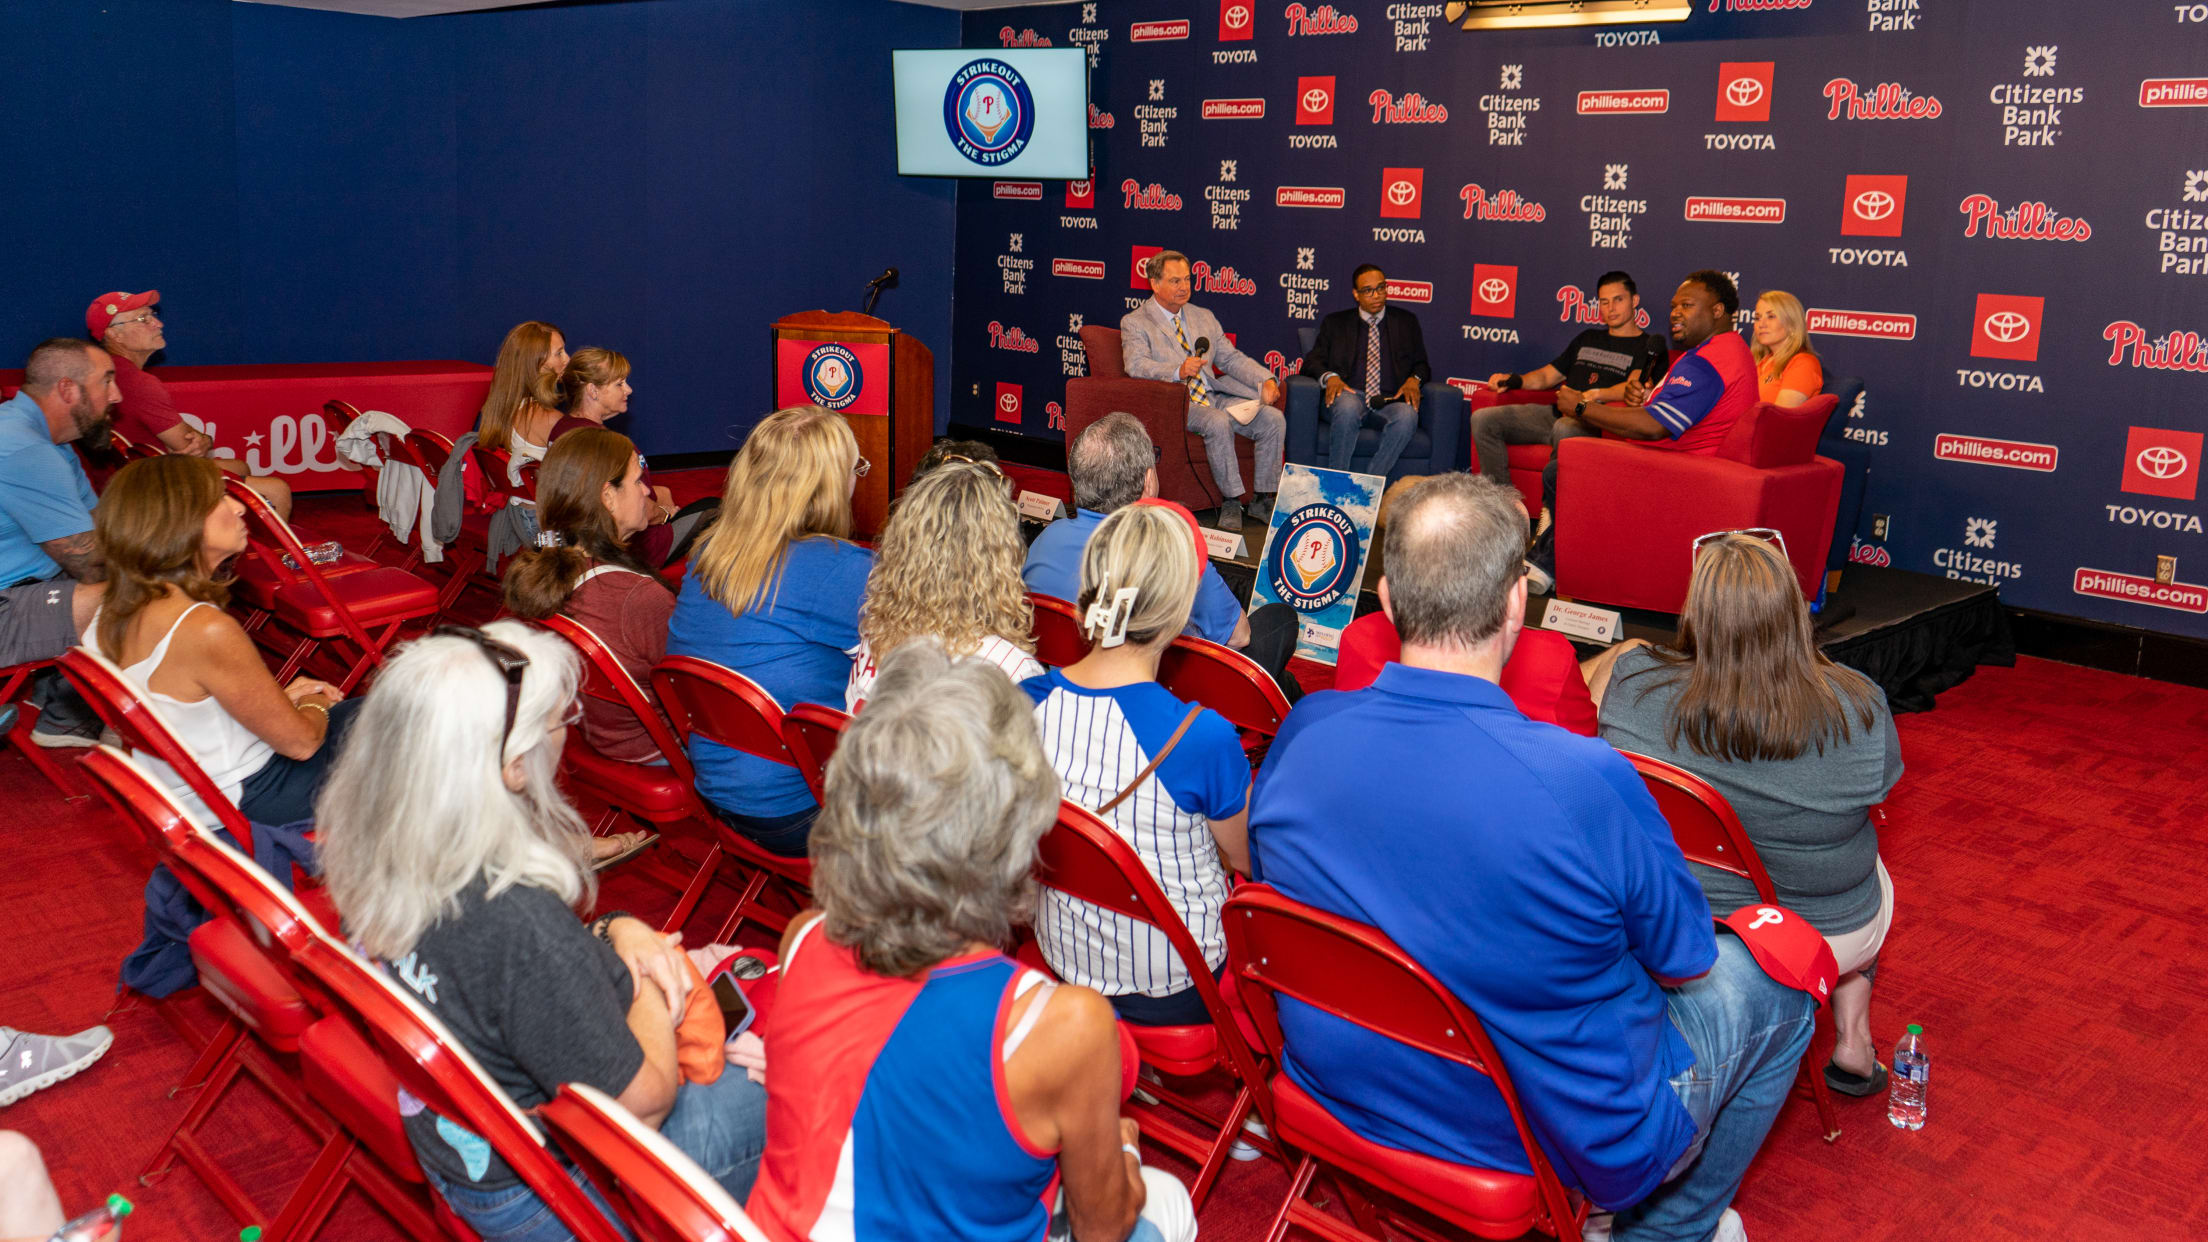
(1203, 346)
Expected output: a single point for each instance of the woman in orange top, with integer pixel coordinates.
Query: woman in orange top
(1787, 370)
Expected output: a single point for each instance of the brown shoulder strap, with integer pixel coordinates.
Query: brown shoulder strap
(1152, 766)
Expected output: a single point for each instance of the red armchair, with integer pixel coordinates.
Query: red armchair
(1527, 461)
(1184, 471)
(1628, 515)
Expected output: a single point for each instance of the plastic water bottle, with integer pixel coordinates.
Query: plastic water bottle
(1912, 1068)
(102, 1224)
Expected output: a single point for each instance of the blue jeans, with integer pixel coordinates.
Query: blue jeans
(786, 835)
(1397, 420)
(1748, 1034)
(722, 1126)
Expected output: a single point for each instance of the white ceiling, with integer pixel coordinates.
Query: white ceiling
(425, 8)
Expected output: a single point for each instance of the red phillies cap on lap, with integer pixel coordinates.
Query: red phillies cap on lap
(1787, 947)
(105, 307)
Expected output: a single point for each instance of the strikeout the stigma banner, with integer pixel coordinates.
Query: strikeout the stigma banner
(1996, 212)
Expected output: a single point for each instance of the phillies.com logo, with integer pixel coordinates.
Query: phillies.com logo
(1576, 305)
(1323, 20)
(1888, 101)
(1001, 337)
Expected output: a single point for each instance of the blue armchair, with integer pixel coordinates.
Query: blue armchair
(1433, 448)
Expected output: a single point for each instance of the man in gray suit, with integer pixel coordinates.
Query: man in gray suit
(1159, 340)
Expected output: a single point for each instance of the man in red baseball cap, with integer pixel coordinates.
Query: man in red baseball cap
(127, 326)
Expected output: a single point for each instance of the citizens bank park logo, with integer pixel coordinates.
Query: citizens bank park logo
(1237, 20)
(1233, 109)
(1875, 325)
(1713, 209)
(2161, 462)
(1624, 103)
(1158, 32)
(1495, 290)
(1008, 402)
(1314, 557)
(2174, 93)
(2006, 326)
(1330, 196)
(1982, 451)
(1744, 90)
(1315, 101)
(988, 112)
(832, 376)
(1017, 191)
(1874, 204)
(1887, 101)
(1078, 269)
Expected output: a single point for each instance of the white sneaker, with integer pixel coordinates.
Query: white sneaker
(29, 1062)
(1243, 1151)
(1597, 1228)
(1537, 580)
(1729, 1228)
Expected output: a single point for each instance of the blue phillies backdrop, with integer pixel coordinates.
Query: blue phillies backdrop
(1996, 211)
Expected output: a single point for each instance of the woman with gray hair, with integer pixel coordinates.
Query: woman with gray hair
(920, 1083)
(453, 858)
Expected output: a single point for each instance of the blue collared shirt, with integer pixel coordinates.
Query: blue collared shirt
(1533, 875)
(43, 492)
(1054, 568)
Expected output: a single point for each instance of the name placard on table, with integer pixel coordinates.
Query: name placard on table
(1596, 625)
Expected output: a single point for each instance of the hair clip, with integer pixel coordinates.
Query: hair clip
(552, 539)
(1112, 619)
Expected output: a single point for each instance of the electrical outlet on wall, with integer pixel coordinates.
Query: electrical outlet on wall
(2165, 569)
(1878, 525)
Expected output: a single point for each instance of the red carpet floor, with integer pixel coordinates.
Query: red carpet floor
(2049, 852)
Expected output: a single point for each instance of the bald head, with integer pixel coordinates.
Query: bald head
(1455, 547)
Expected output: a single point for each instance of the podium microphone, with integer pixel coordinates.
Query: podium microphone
(874, 287)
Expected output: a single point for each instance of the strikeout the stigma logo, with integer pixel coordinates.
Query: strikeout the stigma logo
(832, 376)
(1314, 557)
(988, 112)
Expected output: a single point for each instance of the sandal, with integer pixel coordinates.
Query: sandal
(637, 843)
(1858, 1085)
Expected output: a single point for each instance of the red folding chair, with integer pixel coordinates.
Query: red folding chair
(311, 611)
(707, 700)
(663, 795)
(470, 549)
(1352, 971)
(133, 717)
(811, 729)
(12, 681)
(1710, 833)
(660, 1193)
(1229, 683)
(131, 450)
(337, 415)
(435, 1069)
(1058, 637)
(1082, 857)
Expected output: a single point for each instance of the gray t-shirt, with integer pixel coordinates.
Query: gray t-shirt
(1809, 816)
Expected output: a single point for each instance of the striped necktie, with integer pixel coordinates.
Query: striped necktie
(1372, 363)
(1197, 388)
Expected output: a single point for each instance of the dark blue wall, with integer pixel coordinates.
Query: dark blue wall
(665, 177)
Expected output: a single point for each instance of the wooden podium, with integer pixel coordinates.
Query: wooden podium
(880, 379)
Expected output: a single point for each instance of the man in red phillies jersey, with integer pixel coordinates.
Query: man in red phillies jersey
(1710, 386)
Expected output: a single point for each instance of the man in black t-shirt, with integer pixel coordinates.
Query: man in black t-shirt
(1596, 366)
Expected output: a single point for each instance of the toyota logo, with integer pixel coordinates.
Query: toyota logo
(2162, 462)
(1237, 17)
(1743, 92)
(1080, 189)
(1402, 192)
(1314, 100)
(2007, 326)
(1007, 402)
(1874, 205)
(1494, 289)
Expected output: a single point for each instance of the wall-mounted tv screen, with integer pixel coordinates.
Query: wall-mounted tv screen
(989, 113)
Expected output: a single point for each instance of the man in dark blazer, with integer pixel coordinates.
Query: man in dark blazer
(1372, 360)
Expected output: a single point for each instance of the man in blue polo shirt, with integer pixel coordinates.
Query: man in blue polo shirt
(50, 569)
(1534, 876)
(1113, 465)
(1710, 387)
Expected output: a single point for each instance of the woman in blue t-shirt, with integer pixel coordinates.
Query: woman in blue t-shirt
(773, 592)
(1104, 719)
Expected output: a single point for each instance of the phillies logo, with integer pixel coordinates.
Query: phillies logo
(1222, 280)
(1057, 415)
(1502, 207)
(1021, 38)
(1001, 337)
(1861, 553)
(1237, 20)
(1099, 119)
(1412, 109)
(1874, 205)
(1888, 101)
(2006, 327)
(2160, 462)
(1008, 403)
(1744, 90)
(832, 376)
(2023, 222)
(1280, 365)
(1152, 197)
(1494, 290)
(2175, 351)
(1082, 194)
(1315, 101)
(1322, 20)
(1576, 305)
(1400, 192)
